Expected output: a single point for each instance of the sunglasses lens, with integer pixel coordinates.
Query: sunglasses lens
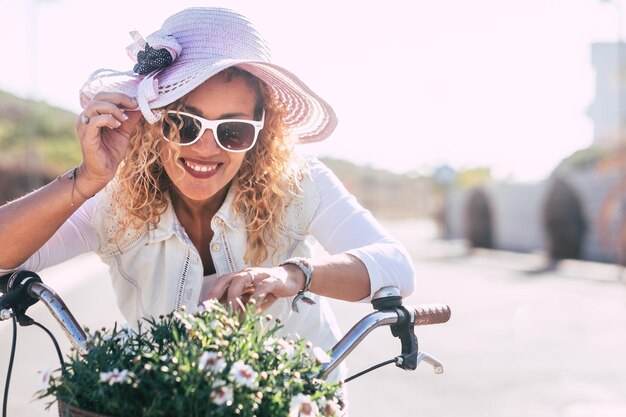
(187, 127)
(236, 136)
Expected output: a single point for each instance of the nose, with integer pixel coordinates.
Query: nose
(207, 143)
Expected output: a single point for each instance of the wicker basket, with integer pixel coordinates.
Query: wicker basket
(66, 410)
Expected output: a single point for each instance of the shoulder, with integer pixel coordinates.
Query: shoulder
(312, 177)
(311, 168)
(323, 179)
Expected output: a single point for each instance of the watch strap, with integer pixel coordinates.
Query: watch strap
(305, 266)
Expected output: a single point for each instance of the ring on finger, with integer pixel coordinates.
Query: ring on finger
(84, 118)
(251, 279)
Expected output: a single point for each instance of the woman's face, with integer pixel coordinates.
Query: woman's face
(206, 168)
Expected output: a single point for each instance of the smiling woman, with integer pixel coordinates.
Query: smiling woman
(190, 188)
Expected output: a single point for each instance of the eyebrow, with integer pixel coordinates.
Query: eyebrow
(197, 111)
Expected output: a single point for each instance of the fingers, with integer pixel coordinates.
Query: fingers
(106, 110)
(263, 295)
(241, 287)
(120, 100)
(229, 288)
(102, 120)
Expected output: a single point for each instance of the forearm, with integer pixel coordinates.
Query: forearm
(341, 276)
(27, 223)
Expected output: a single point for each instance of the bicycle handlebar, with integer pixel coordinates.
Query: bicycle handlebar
(61, 313)
(420, 315)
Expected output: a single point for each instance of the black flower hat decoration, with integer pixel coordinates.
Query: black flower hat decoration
(156, 52)
(150, 59)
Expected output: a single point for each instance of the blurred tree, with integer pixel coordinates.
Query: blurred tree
(473, 177)
(37, 136)
(387, 194)
(583, 159)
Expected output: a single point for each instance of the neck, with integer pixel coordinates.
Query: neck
(197, 209)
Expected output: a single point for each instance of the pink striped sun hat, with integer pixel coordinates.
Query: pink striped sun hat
(197, 43)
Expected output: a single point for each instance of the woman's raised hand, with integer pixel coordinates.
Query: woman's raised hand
(104, 130)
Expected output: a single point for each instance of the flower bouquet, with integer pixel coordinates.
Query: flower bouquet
(211, 363)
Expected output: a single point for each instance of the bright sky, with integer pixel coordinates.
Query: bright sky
(415, 83)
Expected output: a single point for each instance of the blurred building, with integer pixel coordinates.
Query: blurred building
(608, 109)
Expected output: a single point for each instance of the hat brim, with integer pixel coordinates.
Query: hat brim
(309, 117)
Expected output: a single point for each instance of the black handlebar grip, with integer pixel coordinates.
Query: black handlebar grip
(430, 314)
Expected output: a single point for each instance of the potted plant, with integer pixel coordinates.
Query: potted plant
(212, 363)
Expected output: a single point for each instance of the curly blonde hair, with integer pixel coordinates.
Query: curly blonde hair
(264, 185)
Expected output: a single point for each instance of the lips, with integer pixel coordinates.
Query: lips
(201, 169)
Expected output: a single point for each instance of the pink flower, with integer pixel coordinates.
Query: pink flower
(222, 393)
(330, 408)
(302, 406)
(43, 378)
(243, 374)
(212, 361)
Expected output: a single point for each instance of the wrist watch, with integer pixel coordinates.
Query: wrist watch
(305, 266)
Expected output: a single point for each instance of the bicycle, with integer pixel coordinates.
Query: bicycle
(25, 288)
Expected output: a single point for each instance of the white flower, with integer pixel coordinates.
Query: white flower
(211, 361)
(319, 355)
(269, 344)
(114, 377)
(43, 378)
(243, 374)
(222, 393)
(302, 406)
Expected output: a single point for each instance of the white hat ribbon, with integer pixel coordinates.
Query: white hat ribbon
(147, 91)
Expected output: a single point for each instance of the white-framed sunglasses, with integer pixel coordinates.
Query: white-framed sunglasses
(232, 135)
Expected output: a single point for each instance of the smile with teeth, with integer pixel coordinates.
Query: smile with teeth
(201, 168)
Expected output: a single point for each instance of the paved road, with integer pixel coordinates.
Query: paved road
(521, 342)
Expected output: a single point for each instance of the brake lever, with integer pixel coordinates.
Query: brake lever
(405, 331)
(425, 357)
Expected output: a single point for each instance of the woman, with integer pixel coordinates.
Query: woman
(190, 190)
